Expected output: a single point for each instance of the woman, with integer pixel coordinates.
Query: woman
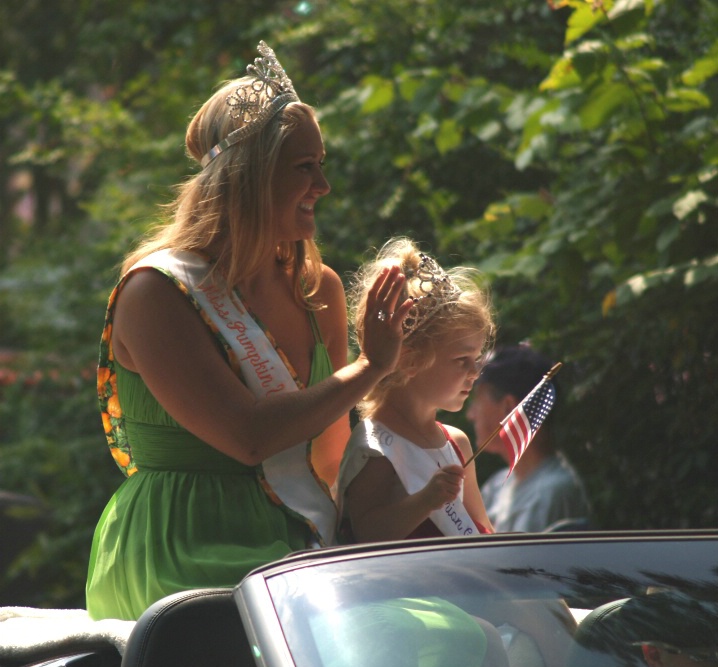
(223, 378)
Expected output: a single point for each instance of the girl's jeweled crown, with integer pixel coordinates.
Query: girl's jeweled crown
(435, 288)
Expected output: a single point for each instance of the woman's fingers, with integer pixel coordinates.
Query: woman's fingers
(383, 293)
(401, 311)
(384, 297)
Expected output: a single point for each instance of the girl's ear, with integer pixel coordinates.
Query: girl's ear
(407, 365)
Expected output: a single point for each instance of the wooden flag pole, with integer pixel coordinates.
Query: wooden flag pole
(554, 369)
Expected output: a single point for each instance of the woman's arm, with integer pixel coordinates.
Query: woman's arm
(169, 345)
(328, 447)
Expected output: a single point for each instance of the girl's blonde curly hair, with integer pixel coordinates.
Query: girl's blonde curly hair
(466, 306)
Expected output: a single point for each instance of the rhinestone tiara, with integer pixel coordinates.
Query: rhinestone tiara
(436, 288)
(256, 101)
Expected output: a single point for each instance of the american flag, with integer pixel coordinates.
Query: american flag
(521, 424)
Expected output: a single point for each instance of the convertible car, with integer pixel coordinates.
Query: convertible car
(564, 599)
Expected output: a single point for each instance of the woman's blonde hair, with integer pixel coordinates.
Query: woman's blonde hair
(231, 199)
(465, 305)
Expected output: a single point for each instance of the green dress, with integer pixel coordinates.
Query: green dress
(187, 516)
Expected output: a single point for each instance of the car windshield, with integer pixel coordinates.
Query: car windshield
(568, 604)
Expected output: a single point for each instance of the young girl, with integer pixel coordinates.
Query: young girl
(402, 474)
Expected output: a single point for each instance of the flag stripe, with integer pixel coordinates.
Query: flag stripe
(517, 430)
(510, 444)
(522, 423)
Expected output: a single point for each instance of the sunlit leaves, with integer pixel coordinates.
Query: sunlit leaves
(624, 16)
(448, 136)
(602, 102)
(376, 94)
(563, 75)
(700, 272)
(686, 99)
(690, 275)
(585, 16)
(688, 203)
(703, 68)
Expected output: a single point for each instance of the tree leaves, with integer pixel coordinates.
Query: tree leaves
(571, 154)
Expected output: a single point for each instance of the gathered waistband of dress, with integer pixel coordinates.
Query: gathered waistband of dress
(159, 448)
(228, 470)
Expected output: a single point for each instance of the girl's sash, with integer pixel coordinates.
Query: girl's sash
(288, 473)
(414, 466)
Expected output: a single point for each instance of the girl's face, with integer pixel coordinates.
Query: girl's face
(448, 381)
(298, 182)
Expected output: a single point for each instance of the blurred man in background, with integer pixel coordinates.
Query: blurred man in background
(543, 491)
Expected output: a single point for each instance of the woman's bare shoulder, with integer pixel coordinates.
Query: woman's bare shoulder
(149, 307)
(332, 287)
(139, 282)
(333, 314)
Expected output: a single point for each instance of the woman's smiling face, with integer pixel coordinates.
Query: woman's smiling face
(298, 182)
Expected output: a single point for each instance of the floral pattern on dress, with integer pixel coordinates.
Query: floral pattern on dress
(110, 409)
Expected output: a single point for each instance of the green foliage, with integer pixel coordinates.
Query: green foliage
(94, 98)
(624, 257)
(409, 92)
(595, 192)
(53, 450)
(568, 149)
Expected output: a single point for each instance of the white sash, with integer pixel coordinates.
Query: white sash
(414, 466)
(289, 472)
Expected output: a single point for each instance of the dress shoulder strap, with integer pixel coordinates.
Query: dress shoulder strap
(456, 447)
(315, 327)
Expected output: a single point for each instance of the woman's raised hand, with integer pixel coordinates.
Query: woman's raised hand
(384, 316)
